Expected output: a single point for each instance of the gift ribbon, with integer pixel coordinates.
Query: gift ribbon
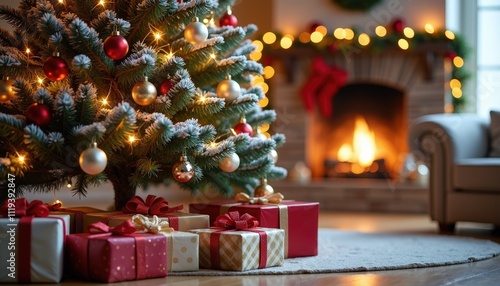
(273, 199)
(152, 225)
(233, 221)
(153, 205)
(125, 228)
(21, 208)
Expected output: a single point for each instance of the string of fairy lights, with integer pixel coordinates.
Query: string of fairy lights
(397, 34)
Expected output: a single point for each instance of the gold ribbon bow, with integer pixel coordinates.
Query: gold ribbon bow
(275, 198)
(151, 225)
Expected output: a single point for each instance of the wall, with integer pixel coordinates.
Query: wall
(293, 16)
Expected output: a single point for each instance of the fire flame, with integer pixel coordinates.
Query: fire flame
(362, 150)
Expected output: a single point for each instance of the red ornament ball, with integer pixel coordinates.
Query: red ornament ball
(165, 86)
(39, 114)
(228, 20)
(450, 55)
(55, 68)
(398, 25)
(116, 47)
(313, 26)
(243, 127)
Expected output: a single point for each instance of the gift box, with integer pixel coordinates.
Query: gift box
(112, 254)
(153, 205)
(182, 247)
(298, 219)
(31, 243)
(76, 215)
(240, 248)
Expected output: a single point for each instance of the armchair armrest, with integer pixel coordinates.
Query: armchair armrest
(441, 140)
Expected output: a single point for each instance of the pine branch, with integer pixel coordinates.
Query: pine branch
(216, 72)
(173, 26)
(148, 13)
(232, 38)
(244, 49)
(140, 63)
(85, 105)
(86, 41)
(65, 111)
(156, 136)
(199, 56)
(279, 139)
(119, 124)
(11, 128)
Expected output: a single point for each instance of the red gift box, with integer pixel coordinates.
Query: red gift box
(112, 254)
(298, 219)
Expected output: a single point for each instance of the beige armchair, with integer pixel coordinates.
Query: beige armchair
(464, 181)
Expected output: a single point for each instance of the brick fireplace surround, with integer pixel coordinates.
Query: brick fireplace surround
(421, 74)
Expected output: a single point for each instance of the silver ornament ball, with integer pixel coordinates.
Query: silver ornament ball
(228, 89)
(144, 93)
(196, 32)
(230, 163)
(93, 160)
(183, 170)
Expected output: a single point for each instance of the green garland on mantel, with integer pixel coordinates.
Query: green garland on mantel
(330, 46)
(356, 5)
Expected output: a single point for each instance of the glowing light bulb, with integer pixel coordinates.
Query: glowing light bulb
(104, 101)
(269, 38)
(429, 28)
(21, 159)
(403, 44)
(157, 36)
(316, 37)
(409, 33)
(28, 51)
(449, 34)
(455, 83)
(268, 72)
(349, 34)
(286, 42)
(322, 30)
(380, 31)
(339, 33)
(363, 39)
(458, 62)
(131, 139)
(305, 37)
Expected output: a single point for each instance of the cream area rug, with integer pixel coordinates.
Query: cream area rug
(349, 251)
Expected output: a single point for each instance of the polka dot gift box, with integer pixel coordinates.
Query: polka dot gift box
(182, 247)
(113, 254)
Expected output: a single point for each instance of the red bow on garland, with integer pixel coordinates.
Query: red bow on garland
(20, 207)
(322, 85)
(152, 206)
(125, 228)
(233, 220)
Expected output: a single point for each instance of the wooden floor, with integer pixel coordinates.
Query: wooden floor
(486, 272)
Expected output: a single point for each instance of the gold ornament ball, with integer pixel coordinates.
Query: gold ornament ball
(93, 160)
(144, 93)
(230, 163)
(228, 89)
(263, 189)
(6, 90)
(183, 170)
(196, 32)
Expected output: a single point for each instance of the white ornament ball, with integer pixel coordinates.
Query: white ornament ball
(196, 32)
(93, 160)
(230, 163)
(144, 93)
(228, 89)
(274, 155)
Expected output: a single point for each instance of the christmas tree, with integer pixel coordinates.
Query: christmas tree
(134, 92)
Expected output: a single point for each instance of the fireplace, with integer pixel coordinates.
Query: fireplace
(388, 90)
(364, 138)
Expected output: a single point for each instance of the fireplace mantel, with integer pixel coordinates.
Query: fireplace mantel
(427, 53)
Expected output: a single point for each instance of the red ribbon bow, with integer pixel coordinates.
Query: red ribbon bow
(322, 85)
(233, 220)
(20, 208)
(125, 228)
(54, 207)
(152, 206)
